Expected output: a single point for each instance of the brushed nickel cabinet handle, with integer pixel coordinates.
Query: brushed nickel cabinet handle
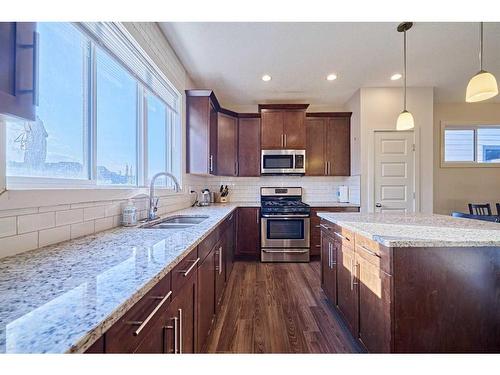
(220, 260)
(257, 214)
(180, 331)
(211, 163)
(324, 227)
(285, 139)
(145, 322)
(176, 334)
(186, 272)
(329, 255)
(368, 251)
(352, 275)
(326, 168)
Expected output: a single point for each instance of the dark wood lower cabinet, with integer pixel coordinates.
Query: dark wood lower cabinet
(176, 315)
(315, 228)
(329, 267)
(415, 300)
(347, 286)
(248, 233)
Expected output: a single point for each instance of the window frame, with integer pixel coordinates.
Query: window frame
(142, 180)
(469, 125)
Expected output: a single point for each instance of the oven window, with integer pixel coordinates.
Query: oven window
(278, 229)
(278, 161)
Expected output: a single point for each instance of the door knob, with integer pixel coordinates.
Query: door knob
(378, 205)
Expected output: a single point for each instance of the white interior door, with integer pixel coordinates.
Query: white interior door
(394, 171)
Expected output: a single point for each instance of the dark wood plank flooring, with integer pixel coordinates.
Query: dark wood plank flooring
(278, 308)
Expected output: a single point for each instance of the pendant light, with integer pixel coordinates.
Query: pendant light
(405, 118)
(483, 85)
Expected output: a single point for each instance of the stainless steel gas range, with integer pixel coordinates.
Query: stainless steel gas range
(284, 225)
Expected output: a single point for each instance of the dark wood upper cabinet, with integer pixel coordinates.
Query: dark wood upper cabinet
(294, 129)
(201, 133)
(227, 145)
(249, 147)
(283, 126)
(315, 147)
(338, 150)
(328, 151)
(271, 129)
(248, 232)
(19, 69)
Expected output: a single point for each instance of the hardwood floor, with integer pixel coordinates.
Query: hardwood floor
(277, 308)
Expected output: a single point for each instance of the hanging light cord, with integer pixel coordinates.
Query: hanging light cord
(404, 63)
(481, 48)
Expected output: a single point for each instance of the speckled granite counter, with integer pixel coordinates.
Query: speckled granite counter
(61, 298)
(419, 230)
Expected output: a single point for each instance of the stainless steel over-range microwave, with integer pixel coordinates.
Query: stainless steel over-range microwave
(283, 162)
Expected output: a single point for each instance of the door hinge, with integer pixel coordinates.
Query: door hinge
(413, 147)
(414, 195)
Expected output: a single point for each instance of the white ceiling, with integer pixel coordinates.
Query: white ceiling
(231, 58)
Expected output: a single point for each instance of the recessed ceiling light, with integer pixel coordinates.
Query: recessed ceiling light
(396, 76)
(331, 77)
(266, 77)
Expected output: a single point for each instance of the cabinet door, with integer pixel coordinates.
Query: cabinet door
(153, 342)
(328, 267)
(248, 232)
(338, 149)
(227, 138)
(315, 149)
(198, 115)
(18, 69)
(230, 244)
(272, 135)
(346, 286)
(294, 129)
(220, 274)
(374, 328)
(249, 147)
(180, 320)
(213, 140)
(206, 299)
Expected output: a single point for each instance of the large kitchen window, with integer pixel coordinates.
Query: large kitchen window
(106, 115)
(474, 145)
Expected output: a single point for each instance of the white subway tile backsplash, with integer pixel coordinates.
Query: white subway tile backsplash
(103, 224)
(8, 226)
(30, 223)
(69, 216)
(92, 213)
(17, 244)
(54, 235)
(113, 209)
(20, 211)
(59, 207)
(82, 229)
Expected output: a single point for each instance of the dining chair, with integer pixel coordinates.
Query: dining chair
(479, 209)
(498, 209)
(492, 218)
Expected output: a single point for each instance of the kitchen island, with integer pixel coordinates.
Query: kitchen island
(414, 283)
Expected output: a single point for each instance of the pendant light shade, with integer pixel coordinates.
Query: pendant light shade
(483, 85)
(405, 119)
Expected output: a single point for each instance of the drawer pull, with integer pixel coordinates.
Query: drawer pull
(186, 272)
(341, 236)
(368, 251)
(317, 226)
(317, 245)
(150, 316)
(324, 227)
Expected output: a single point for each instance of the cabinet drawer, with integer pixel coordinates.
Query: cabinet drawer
(183, 271)
(373, 252)
(208, 243)
(128, 332)
(344, 236)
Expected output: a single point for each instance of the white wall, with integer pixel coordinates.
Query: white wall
(378, 110)
(455, 187)
(34, 218)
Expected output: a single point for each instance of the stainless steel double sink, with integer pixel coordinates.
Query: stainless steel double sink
(176, 222)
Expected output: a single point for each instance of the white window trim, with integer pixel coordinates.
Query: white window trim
(468, 125)
(175, 104)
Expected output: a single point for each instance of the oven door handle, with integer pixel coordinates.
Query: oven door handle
(286, 251)
(285, 216)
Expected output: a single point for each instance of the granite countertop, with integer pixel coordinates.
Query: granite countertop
(61, 298)
(419, 230)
